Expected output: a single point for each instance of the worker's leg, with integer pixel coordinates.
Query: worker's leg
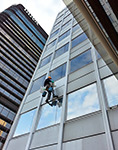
(54, 94)
(48, 97)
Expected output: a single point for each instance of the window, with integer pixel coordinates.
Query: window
(82, 102)
(51, 44)
(66, 24)
(57, 25)
(49, 116)
(111, 88)
(79, 39)
(75, 27)
(37, 84)
(64, 35)
(61, 50)
(58, 72)
(25, 123)
(54, 33)
(80, 61)
(45, 61)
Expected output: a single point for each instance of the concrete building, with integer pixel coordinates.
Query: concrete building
(22, 42)
(87, 87)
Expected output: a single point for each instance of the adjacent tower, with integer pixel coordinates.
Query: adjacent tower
(87, 119)
(22, 42)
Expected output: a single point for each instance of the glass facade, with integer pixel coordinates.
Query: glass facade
(45, 61)
(111, 88)
(23, 125)
(75, 27)
(82, 102)
(64, 35)
(54, 33)
(61, 50)
(58, 73)
(50, 45)
(49, 116)
(66, 24)
(79, 39)
(80, 61)
(37, 84)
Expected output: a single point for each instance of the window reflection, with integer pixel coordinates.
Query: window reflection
(54, 33)
(79, 39)
(58, 72)
(80, 61)
(45, 60)
(82, 102)
(75, 27)
(61, 50)
(50, 45)
(64, 35)
(111, 88)
(49, 116)
(66, 24)
(37, 84)
(25, 123)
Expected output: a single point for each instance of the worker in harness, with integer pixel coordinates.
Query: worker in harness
(49, 84)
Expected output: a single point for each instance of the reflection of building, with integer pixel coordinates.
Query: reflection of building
(22, 41)
(88, 116)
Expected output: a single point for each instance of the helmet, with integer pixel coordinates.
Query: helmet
(49, 77)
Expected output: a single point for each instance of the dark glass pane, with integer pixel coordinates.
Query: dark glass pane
(58, 72)
(79, 39)
(80, 61)
(61, 50)
(64, 35)
(45, 60)
(37, 84)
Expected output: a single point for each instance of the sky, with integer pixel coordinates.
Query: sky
(44, 11)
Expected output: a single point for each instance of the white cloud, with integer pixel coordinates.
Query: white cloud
(82, 102)
(44, 12)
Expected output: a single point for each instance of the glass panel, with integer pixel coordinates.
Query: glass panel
(82, 102)
(25, 123)
(66, 24)
(49, 116)
(54, 33)
(58, 72)
(111, 88)
(75, 27)
(50, 45)
(80, 61)
(64, 35)
(79, 39)
(37, 84)
(45, 61)
(61, 50)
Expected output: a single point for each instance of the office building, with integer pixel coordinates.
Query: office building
(88, 89)
(22, 42)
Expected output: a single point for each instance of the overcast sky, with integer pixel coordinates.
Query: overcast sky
(44, 11)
